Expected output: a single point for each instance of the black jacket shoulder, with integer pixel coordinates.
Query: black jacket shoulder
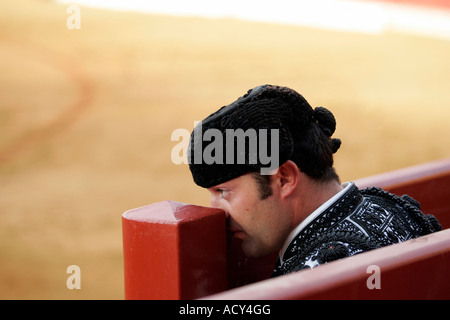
(359, 221)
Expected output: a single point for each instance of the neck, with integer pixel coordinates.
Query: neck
(311, 195)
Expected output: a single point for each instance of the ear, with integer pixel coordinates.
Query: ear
(288, 178)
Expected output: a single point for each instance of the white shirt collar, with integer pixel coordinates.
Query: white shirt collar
(312, 216)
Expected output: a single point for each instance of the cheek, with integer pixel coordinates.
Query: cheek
(258, 219)
(270, 221)
(244, 211)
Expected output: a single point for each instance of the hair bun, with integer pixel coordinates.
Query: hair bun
(335, 145)
(325, 119)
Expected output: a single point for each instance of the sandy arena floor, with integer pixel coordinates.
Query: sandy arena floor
(86, 118)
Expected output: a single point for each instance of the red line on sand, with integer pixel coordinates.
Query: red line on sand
(85, 93)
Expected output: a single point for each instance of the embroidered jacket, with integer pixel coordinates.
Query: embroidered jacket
(358, 221)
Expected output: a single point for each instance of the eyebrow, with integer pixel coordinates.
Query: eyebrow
(222, 185)
(218, 188)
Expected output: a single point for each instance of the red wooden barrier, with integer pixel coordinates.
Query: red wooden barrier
(177, 251)
(415, 269)
(173, 251)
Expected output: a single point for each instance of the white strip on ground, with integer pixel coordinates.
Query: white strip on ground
(369, 17)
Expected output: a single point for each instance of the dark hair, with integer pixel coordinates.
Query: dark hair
(310, 130)
(314, 152)
(263, 182)
(304, 135)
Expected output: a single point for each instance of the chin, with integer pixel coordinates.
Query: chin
(252, 252)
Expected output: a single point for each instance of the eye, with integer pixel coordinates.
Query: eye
(223, 193)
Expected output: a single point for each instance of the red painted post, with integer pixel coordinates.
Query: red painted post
(174, 251)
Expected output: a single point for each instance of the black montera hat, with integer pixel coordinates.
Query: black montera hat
(266, 113)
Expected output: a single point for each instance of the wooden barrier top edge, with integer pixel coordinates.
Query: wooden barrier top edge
(408, 174)
(169, 212)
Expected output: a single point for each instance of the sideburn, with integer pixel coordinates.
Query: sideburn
(263, 182)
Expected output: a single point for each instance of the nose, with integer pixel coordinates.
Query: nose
(215, 199)
(214, 203)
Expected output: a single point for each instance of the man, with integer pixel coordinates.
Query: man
(298, 207)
